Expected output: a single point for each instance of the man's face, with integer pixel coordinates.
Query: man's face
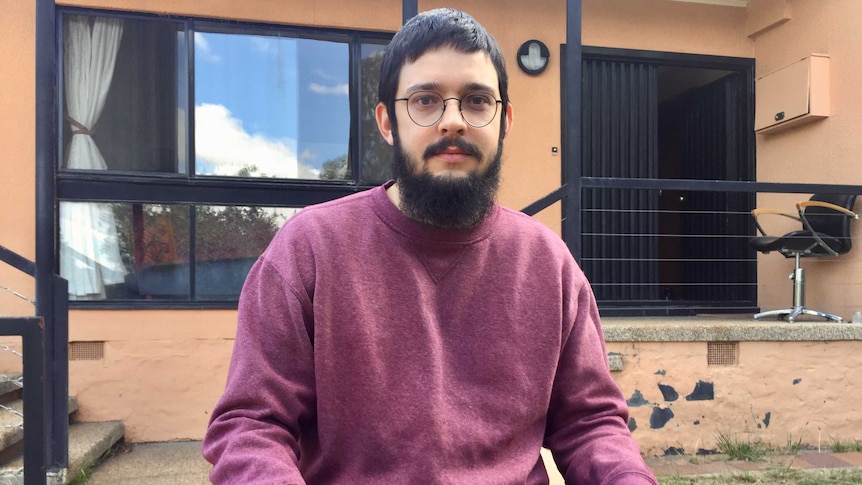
(447, 173)
(450, 74)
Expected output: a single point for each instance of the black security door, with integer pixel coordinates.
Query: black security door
(647, 117)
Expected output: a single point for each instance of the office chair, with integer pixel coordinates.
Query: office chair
(825, 231)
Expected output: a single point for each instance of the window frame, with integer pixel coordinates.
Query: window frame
(190, 188)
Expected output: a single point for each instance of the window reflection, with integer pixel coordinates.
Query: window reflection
(376, 152)
(228, 240)
(142, 251)
(268, 106)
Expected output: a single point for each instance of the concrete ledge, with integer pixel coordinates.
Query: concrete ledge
(722, 328)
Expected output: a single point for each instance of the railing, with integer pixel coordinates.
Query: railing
(668, 247)
(45, 373)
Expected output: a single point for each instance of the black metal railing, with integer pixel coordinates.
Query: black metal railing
(669, 247)
(46, 374)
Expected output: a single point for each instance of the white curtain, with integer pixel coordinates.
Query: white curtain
(89, 249)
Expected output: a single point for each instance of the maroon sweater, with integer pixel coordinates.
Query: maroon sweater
(370, 349)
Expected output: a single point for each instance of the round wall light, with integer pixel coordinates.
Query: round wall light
(533, 56)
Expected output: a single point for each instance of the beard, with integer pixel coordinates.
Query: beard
(446, 201)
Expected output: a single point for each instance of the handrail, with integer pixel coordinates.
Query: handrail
(17, 261)
(32, 332)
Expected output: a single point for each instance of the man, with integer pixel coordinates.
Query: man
(418, 332)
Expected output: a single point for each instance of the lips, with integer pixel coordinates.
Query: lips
(452, 147)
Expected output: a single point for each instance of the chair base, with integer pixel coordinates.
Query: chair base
(790, 314)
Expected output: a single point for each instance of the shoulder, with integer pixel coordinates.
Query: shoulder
(519, 226)
(321, 226)
(536, 245)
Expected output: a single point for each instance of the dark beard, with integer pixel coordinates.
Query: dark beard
(446, 201)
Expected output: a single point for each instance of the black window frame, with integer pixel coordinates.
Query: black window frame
(190, 188)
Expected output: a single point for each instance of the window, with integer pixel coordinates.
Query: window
(187, 143)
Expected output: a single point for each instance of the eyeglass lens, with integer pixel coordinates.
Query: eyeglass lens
(426, 108)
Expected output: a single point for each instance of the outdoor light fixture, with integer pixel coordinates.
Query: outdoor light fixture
(533, 56)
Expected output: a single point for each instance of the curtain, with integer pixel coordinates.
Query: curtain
(89, 248)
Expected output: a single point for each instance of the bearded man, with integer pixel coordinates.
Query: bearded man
(419, 332)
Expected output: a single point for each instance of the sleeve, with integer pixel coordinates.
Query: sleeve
(253, 434)
(587, 430)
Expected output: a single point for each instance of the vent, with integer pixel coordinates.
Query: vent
(86, 350)
(722, 354)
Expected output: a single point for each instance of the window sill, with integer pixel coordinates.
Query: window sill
(709, 328)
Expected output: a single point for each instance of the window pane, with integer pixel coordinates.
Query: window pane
(90, 255)
(269, 106)
(228, 240)
(376, 152)
(123, 94)
(155, 238)
(124, 251)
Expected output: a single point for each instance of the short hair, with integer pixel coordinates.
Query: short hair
(442, 27)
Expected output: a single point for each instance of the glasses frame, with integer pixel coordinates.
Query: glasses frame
(445, 103)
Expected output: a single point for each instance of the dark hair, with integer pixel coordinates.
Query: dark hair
(442, 27)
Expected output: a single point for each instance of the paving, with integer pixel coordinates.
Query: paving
(180, 463)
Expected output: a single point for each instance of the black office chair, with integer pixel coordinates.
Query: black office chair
(825, 231)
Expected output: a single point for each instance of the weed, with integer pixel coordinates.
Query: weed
(792, 447)
(777, 476)
(839, 446)
(736, 449)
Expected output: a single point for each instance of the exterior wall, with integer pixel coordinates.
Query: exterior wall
(163, 370)
(18, 141)
(805, 399)
(824, 151)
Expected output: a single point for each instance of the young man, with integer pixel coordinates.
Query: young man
(418, 332)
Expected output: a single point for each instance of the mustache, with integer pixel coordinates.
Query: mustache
(459, 143)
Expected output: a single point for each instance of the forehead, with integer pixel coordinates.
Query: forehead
(447, 69)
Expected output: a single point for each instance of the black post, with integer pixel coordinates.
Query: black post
(409, 9)
(572, 129)
(32, 343)
(56, 346)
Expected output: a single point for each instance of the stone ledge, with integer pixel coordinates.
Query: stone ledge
(727, 329)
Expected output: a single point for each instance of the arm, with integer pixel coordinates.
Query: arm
(587, 429)
(253, 435)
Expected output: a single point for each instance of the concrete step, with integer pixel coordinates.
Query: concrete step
(12, 425)
(88, 445)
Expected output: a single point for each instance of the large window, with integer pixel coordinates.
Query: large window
(187, 143)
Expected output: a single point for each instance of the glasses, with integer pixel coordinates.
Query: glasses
(426, 108)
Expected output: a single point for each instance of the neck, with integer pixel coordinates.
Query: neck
(394, 195)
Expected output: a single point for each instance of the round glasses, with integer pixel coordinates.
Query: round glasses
(426, 108)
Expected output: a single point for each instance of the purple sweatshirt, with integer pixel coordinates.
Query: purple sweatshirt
(370, 349)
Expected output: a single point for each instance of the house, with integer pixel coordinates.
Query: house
(205, 124)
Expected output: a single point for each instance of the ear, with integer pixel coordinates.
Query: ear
(508, 119)
(384, 123)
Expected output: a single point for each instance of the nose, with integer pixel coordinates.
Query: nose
(451, 121)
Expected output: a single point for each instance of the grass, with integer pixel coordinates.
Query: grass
(772, 477)
(745, 450)
(757, 451)
(839, 446)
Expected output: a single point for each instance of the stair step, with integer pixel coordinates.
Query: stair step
(11, 424)
(10, 387)
(88, 444)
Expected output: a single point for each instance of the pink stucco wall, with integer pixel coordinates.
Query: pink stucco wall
(780, 392)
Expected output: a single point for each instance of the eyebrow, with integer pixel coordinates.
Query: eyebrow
(435, 86)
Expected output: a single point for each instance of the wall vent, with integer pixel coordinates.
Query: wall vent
(722, 354)
(86, 350)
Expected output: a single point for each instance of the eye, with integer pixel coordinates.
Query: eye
(425, 100)
(477, 101)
